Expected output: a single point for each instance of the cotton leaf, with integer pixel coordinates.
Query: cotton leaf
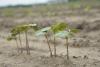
(30, 25)
(33, 26)
(43, 31)
(64, 34)
(11, 38)
(14, 32)
(38, 33)
(46, 29)
(21, 28)
(59, 27)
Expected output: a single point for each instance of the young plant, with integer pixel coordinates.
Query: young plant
(24, 29)
(55, 29)
(17, 32)
(44, 32)
(66, 34)
(20, 40)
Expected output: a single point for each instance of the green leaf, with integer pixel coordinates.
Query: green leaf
(38, 33)
(11, 38)
(30, 25)
(43, 31)
(59, 27)
(22, 28)
(33, 26)
(46, 29)
(64, 34)
(14, 32)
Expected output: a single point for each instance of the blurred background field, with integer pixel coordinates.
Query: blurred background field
(50, 12)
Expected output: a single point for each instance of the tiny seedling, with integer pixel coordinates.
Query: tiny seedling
(23, 29)
(44, 32)
(56, 28)
(17, 32)
(66, 34)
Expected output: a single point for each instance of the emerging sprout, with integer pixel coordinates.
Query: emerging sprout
(44, 32)
(66, 35)
(56, 28)
(23, 29)
(59, 27)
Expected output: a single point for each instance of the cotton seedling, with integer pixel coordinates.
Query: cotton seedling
(44, 32)
(17, 32)
(66, 34)
(56, 28)
(24, 29)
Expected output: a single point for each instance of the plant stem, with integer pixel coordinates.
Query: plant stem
(27, 44)
(48, 45)
(17, 45)
(67, 48)
(20, 43)
(55, 47)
